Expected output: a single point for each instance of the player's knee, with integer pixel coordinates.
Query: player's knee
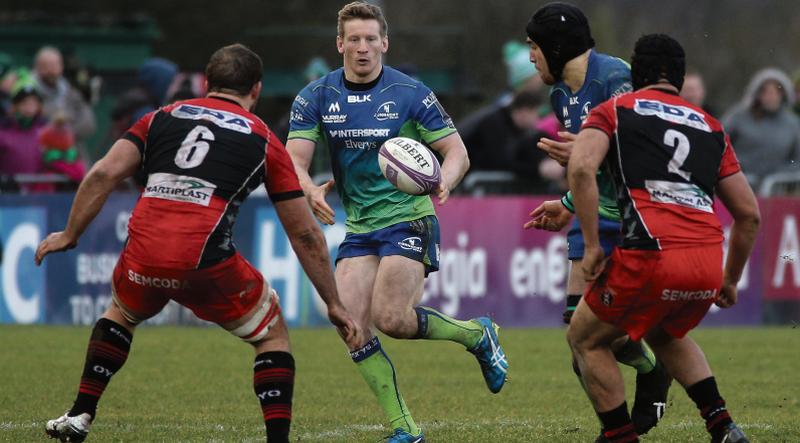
(572, 338)
(120, 314)
(578, 341)
(277, 340)
(387, 322)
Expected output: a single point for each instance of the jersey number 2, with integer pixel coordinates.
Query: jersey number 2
(677, 140)
(194, 147)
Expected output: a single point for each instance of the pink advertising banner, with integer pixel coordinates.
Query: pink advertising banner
(490, 265)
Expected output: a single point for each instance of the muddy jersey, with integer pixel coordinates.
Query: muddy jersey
(354, 120)
(666, 157)
(201, 157)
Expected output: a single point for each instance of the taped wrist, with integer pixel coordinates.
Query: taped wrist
(572, 303)
(566, 200)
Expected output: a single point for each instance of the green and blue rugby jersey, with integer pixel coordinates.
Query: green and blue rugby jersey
(354, 120)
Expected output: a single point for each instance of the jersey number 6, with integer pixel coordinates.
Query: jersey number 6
(194, 147)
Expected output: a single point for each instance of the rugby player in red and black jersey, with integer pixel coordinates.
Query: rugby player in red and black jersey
(202, 158)
(668, 158)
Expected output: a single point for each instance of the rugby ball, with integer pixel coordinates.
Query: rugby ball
(409, 166)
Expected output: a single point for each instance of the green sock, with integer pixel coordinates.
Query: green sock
(377, 370)
(637, 355)
(433, 325)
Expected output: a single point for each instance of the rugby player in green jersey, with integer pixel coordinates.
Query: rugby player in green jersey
(392, 239)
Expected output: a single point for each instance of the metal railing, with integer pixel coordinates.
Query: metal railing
(29, 183)
(480, 183)
(780, 184)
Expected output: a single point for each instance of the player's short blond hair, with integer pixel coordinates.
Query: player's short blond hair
(363, 11)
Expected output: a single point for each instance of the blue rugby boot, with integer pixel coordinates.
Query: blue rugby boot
(401, 436)
(490, 355)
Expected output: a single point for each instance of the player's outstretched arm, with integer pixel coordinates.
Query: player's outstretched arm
(551, 215)
(119, 163)
(302, 151)
(589, 151)
(454, 166)
(738, 198)
(309, 244)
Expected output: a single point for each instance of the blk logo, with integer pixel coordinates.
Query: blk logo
(358, 99)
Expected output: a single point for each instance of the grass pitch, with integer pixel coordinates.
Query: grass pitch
(194, 384)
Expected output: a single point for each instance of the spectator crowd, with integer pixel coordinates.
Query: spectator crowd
(46, 120)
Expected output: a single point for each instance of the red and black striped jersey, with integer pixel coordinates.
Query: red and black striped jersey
(666, 157)
(202, 158)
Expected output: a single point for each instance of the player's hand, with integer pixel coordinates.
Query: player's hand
(727, 295)
(558, 151)
(345, 326)
(551, 215)
(316, 199)
(55, 242)
(442, 191)
(593, 263)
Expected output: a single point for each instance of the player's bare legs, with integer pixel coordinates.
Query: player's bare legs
(355, 277)
(590, 340)
(687, 363)
(383, 292)
(652, 380)
(107, 352)
(114, 313)
(398, 288)
(683, 358)
(277, 340)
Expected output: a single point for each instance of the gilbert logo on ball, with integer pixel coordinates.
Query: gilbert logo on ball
(409, 166)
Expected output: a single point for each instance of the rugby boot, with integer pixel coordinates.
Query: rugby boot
(401, 436)
(490, 355)
(69, 429)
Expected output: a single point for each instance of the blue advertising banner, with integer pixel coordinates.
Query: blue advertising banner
(75, 287)
(22, 284)
(274, 257)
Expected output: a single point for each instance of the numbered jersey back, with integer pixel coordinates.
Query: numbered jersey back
(666, 157)
(201, 158)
